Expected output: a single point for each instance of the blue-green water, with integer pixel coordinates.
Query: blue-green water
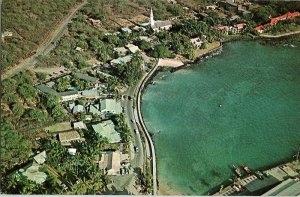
(258, 123)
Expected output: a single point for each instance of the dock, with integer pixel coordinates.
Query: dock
(272, 177)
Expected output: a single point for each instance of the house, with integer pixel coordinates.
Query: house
(72, 151)
(260, 28)
(229, 5)
(67, 137)
(110, 106)
(111, 162)
(79, 49)
(40, 158)
(107, 129)
(32, 172)
(86, 77)
(121, 60)
(146, 38)
(90, 94)
(46, 89)
(138, 28)
(126, 30)
(222, 28)
(79, 125)
(69, 96)
(239, 27)
(211, 7)
(197, 42)
(159, 25)
(95, 22)
(121, 51)
(78, 108)
(6, 34)
(132, 48)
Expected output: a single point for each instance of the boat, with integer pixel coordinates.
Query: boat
(259, 175)
(247, 170)
(237, 170)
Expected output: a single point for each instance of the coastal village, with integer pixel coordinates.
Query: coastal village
(100, 111)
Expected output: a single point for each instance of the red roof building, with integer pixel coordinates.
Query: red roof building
(275, 20)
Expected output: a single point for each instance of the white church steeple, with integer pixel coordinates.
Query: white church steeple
(151, 18)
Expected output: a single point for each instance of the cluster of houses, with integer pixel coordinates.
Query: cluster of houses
(237, 28)
(97, 106)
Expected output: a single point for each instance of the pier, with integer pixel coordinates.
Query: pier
(251, 184)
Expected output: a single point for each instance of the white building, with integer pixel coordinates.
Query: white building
(159, 25)
(197, 42)
(132, 48)
(69, 96)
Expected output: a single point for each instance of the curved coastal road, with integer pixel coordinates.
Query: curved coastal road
(139, 119)
(135, 121)
(46, 46)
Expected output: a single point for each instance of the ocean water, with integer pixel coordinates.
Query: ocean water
(242, 106)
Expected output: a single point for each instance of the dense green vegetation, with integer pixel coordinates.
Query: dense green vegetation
(30, 25)
(15, 149)
(131, 72)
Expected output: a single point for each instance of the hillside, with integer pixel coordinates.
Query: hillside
(29, 23)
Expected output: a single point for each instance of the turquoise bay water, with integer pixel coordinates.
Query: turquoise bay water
(258, 124)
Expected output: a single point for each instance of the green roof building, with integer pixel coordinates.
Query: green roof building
(107, 129)
(110, 106)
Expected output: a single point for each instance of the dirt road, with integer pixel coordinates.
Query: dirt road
(47, 45)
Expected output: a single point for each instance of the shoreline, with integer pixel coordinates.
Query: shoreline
(163, 189)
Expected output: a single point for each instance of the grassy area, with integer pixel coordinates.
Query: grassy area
(63, 126)
(210, 46)
(282, 29)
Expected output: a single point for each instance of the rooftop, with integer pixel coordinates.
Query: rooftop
(159, 24)
(111, 161)
(107, 129)
(110, 105)
(121, 50)
(40, 158)
(46, 89)
(132, 48)
(33, 173)
(86, 77)
(66, 137)
(68, 93)
(90, 93)
(78, 109)
(121, 60)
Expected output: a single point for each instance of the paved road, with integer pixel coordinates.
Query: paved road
(135, 121)
(45, 47)
(139, 119)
